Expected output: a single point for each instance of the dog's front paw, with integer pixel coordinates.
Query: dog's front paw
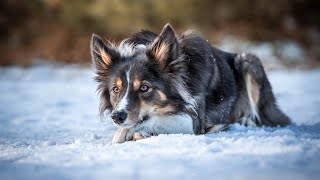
(123, 135)
(141, 135)
(120, 136)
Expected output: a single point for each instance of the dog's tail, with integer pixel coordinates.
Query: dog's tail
(273, 116)
(270, 113)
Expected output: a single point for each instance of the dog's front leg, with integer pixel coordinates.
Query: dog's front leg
(122, 135)
(141, 135)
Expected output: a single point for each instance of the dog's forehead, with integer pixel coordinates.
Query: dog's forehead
(130, 69)
(131, 50)
(132, 74)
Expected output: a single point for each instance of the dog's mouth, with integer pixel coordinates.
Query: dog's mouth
(144, 118)
(130, 125)
(124, 125)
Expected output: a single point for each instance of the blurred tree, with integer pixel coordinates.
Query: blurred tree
(27, 25)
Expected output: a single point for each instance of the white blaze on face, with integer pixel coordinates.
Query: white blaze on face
(124, 101)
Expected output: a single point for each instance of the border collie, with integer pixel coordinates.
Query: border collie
(154, 84)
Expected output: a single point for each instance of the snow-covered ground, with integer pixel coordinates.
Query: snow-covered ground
(50, 129)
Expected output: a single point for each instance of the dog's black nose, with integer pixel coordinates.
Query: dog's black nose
(119, 117)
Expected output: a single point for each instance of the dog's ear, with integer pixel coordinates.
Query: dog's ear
(105, 103)
(165, 48)
(102, 55)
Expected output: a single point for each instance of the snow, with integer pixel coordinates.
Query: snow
(50, 129)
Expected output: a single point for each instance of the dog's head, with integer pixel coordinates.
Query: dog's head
(138, 81)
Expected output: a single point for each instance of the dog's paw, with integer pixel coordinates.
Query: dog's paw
(141, 135)
(120, 136)
(248, 121)
(217, 128)
(123, 135)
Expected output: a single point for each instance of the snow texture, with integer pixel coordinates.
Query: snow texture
(50, 129)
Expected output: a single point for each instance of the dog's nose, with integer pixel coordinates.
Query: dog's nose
(119, 117)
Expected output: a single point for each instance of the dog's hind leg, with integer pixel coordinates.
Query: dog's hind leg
(256, 96)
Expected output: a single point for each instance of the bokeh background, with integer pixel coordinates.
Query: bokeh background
(60, 30)
(49, 121)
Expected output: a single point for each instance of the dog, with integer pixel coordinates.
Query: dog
(154, 84)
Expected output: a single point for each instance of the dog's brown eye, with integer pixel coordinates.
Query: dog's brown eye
(115, 90)
(144, 88)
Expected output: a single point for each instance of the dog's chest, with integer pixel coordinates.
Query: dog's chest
(170, 124)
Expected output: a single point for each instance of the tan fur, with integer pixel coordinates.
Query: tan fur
(161, 53)
(255, 92)
(164, 110)
(105, 57)
(253, 95)
(246, 107)
(136, 84)
(137, 136)
(158, 110)
(217, 128)
(162, 96)
(253, 89)
(112, 102)
(119, 83)
(145, 108)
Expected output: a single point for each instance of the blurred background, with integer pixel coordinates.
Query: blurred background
(285, 32)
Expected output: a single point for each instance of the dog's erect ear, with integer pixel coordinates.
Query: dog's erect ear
(165, 47)
(102, 55)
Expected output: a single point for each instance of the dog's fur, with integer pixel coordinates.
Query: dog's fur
(152, 84)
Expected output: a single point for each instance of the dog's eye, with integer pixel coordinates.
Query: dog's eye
(144, 88)
(116, 90)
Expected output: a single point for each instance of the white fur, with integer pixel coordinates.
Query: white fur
(124, 101)
(126, 49)
(247, 121)
(186, 96)
(170, 124)
(253, 108)
(254, 112)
